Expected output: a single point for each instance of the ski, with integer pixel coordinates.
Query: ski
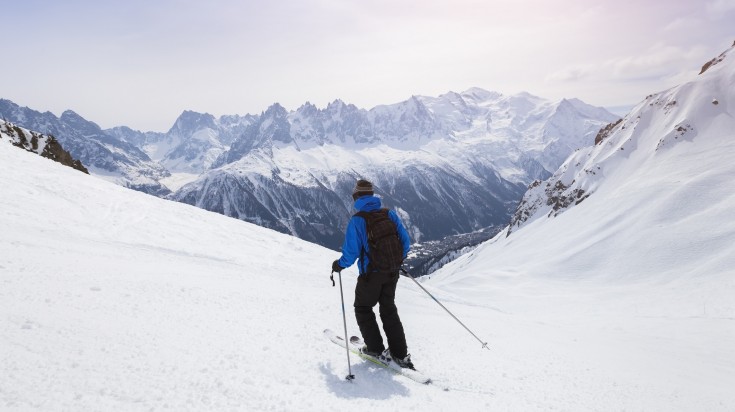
(354, 347)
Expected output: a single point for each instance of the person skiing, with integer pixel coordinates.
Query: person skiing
(379, 261)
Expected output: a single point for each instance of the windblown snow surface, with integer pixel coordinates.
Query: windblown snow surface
(111, 299)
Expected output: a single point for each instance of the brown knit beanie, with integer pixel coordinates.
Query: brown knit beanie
(362, 188)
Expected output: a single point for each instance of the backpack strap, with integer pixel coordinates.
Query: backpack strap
(365, 216)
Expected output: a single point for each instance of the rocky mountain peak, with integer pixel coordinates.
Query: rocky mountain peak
(479, 94)
(190, 121)
(71, 116)
(275, 111)
(307, 109)
(337, 104)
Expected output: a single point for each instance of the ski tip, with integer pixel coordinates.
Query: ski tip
(329, 333)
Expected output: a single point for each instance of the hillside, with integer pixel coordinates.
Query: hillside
(115, 300)
(41, 144)
(638, 233)
(102, 154)
(112, 299)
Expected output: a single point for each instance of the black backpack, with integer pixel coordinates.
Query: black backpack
(386, 249)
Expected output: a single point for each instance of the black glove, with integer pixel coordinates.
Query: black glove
(336, 267)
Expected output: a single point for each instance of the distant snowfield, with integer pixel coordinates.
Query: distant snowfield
(177, 180)
(115, 300)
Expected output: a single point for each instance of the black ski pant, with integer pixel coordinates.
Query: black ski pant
(379, 288)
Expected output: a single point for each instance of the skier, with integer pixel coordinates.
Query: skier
(378, 265)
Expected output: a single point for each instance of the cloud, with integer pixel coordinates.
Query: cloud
(240, 56)
(570, 74)
(718, 8)
(683, 24)
(655, 62)
(644, 64)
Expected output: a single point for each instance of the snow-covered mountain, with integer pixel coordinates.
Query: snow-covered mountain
(114, 300)
(103, 154)
(462, 160)
(638, 150)
(638, 233)
(141, 140)
(451, 164)
(192, 144)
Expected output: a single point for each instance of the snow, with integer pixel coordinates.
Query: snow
(177, 180)
(111, 299)
(12, 134)
(41, 144)
(445, 131)
(115, 300)
(640, 275)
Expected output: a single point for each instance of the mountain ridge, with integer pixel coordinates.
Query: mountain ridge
(451, 164)
(654, 126)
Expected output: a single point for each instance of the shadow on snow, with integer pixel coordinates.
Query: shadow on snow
(371, 382)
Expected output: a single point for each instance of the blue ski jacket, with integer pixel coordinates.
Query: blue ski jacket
(356, 235)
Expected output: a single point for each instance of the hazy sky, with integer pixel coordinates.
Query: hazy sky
(141, 63)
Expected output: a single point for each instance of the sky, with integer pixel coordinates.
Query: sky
(141, 63)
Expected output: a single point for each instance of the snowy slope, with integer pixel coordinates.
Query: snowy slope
(114, 300)
(678, 129)
(103, 154)
(23, 138)
(41, 144)
(648, 252)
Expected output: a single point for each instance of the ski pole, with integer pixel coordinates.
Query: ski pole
(484, 344)
(344, 321)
